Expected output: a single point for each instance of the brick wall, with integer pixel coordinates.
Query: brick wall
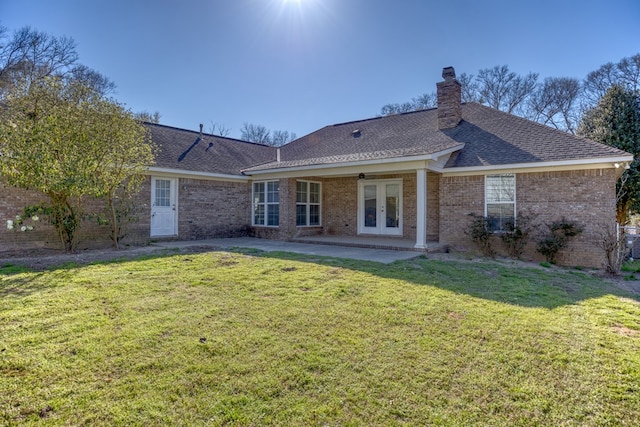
(12, 202)
(340, 206)
(209, 209)
(90, 235)
(585, 196)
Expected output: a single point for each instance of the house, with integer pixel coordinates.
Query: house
(413, 177)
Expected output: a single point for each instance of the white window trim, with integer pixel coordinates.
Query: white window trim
(266, 204)
(515, 196)
(308, 203)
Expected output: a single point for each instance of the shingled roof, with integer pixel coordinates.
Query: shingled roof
(495, 138)
(489, 137)
(186, 150)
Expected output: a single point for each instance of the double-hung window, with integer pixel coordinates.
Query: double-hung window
(266, 203)
(308, 196)
(500, 201)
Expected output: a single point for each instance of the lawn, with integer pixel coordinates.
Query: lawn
(251, 338)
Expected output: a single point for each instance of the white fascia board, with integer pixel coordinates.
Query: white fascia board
(182, 173)
(391, 164)
(598, 163)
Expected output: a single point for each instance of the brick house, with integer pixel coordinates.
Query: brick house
(412, 177)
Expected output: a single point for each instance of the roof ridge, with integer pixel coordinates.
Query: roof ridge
(204, 134)
(381, 117)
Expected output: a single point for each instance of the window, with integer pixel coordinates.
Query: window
(500, 200)
(163, 193)
(266, 203)
(307, 203)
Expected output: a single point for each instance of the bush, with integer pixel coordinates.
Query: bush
(551, 243)
(517, 234)
(478, 230)
(613, 243)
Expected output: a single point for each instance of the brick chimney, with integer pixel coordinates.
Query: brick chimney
(449, 100)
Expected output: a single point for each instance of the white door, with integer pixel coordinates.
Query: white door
(163, 207)
(380, 207)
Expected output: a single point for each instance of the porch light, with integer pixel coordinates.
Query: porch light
(361, 176)
(617, 165)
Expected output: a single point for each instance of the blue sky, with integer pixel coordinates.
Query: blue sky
(299, 65)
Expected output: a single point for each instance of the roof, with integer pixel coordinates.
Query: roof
(485, 137)
(493, 138)
(186, 150)
(400, 135)
(490, 138)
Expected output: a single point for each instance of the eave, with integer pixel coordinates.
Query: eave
(432, 161)
(579, 164)
(183, 173)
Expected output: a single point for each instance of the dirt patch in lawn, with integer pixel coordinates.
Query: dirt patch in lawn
(43, 259)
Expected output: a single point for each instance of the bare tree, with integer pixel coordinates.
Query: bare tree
(219, 129)
(93, 79)
(281, 137)
(497, 87)
(598, 82)
(146, 116)
(625, 73)
(422, 102)
(255, 133)
(262, 135)
(503, 89)
(554, 103)
(629, 72)
(470, 88)
(29, 56)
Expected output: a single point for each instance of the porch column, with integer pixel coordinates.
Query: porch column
(421, 208)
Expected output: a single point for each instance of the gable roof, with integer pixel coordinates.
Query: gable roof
(484, 137)
(182, 149)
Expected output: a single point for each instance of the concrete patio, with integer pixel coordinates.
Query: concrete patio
(366, 249)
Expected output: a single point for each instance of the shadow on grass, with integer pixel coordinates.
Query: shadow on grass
(489, 279)
(18, 280)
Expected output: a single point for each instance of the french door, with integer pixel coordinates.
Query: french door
(380, 207)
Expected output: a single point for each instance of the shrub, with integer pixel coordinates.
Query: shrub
(517, 234)
(478, 230)
(551, 243)
(613, 243)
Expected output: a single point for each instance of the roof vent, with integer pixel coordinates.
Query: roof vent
(356, 133)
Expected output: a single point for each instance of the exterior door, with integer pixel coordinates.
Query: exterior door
(380, 207)
(163, 207)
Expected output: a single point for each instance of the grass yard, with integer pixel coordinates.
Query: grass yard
(233, 338)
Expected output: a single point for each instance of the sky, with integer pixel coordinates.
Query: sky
(300, 65)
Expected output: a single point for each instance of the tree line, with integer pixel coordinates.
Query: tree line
(559, 102)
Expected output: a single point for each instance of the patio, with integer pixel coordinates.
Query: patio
(372, 242)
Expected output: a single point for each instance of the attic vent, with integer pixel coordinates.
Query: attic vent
(356, 133)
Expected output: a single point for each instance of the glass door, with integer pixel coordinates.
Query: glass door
(380, 207)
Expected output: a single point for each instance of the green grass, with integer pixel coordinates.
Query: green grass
(231, 338)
